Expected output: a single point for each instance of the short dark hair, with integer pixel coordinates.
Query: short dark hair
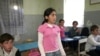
(75, 22)
(93, 27)
(60, 20)
(6, 37)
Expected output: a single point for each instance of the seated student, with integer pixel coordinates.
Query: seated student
(92, 42)
(74, 31)
(6, 42)
(62, 28)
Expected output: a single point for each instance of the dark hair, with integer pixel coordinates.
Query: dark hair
(75, 22)
(60, 20)
(6, 37)
(93, 27)
(47, 12)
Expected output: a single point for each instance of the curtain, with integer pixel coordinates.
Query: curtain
(11, 16)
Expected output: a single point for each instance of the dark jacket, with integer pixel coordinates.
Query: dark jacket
(72, 32)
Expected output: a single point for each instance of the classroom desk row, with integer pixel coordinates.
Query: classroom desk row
(68, 39)
(72, 41)
(31, 45)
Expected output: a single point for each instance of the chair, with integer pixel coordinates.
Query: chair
(81, 47)
(85, 31)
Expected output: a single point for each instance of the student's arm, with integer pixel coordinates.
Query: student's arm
(18, 53)
(98, 38)
(40, 44)
(1, 52)
(78, 32)
(70, 32)
(60, 46)
(93, 41)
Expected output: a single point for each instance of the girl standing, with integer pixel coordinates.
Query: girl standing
(49, 41)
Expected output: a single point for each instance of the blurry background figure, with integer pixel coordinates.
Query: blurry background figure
(99, 29)
(62, 28)
(74, 31)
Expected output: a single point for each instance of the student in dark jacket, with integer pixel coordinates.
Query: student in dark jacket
(6, 43)
(74, 31)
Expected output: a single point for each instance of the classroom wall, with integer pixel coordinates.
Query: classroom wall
(33, 7)
(92, 13)
(33, 16)
(58, 5)
(93, 7)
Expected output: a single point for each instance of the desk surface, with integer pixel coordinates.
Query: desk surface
(26, 46)
(67, 39)
(98, 47)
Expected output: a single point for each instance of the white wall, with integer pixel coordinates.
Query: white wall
(93, 7)
(33, 16)
(58, 5)
(35, 6)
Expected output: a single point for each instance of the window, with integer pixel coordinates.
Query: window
(74, 11)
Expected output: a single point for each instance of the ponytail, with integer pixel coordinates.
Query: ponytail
(45, 20)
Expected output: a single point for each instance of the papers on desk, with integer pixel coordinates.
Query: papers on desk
(73, 39)
(77, 37)
(68, 39)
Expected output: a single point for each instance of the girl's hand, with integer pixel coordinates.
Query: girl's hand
(78, 30)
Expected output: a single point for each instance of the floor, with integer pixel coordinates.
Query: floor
(69, 52)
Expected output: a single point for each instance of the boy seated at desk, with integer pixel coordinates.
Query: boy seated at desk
(92, 42)
(7, 48)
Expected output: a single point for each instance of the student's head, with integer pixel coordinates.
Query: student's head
(49, 15)
(94, 29)
(6, 41)
(61, 22)
(75, 23)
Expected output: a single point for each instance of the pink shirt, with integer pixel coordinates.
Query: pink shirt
(62, 31)
(50, 37)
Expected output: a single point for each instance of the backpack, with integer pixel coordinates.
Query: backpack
(34, 52)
